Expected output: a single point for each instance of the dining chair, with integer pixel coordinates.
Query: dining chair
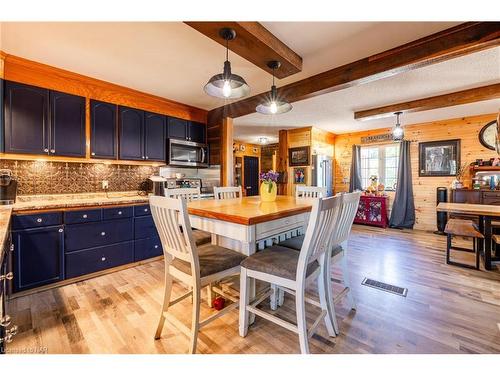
(192, 265)
(310, 191)
(292, 271)
(350, 202)
(228, 192)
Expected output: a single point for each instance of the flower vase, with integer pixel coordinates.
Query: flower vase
(268, 191)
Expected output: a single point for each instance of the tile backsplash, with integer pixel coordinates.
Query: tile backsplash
(47, 177)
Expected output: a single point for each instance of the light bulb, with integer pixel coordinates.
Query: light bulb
(397, 133)
(273, 107)
(226, 89)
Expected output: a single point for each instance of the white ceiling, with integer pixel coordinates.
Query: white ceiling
(172, 60)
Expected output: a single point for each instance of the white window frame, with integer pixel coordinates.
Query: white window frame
(365, 179)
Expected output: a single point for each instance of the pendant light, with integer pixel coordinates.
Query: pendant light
(227, 85)
(274, 105)
(398, 133)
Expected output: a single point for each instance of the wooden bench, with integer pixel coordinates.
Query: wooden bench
(464, 228)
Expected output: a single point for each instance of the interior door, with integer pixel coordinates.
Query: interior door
(251, 175)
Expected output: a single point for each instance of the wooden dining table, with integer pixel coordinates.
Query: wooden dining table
(485, 213)
(248, 224)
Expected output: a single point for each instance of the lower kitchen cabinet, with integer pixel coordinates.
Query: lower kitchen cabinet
(38, 257)
(87, 261)
(147, 248)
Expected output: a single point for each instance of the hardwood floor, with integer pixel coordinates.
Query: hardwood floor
(447, 310)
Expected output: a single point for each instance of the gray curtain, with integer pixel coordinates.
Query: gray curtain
(403, 208)
(355, 180)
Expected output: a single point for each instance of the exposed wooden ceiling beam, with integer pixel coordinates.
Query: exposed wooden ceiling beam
(254, 43)
(457, 41)
(476, 94)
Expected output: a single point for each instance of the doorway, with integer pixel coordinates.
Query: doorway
(251, 175)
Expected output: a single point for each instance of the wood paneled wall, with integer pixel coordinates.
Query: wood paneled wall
(424, 188)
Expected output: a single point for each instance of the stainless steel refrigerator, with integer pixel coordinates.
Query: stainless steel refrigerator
(322, 172)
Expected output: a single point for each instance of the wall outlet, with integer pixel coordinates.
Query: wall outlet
(105, 184)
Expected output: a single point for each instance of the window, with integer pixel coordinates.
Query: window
(381, 161)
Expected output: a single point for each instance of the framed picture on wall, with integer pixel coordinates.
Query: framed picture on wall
(298, 156)
(299, 175)
(439, 158)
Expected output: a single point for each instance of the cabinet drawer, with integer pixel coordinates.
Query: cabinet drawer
(147, 248)
(117, 213)
(99, 258)
(142, 210)
(36, 220)
(81, 236)
(144, 227)
(264, 230)
(82, 216)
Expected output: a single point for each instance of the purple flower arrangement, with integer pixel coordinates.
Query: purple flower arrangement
(268, 178)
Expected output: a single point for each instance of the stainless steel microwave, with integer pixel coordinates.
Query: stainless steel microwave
(186, 154)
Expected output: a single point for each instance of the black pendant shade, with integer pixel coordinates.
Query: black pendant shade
(273, 104)
(227, 85)
(398, 133)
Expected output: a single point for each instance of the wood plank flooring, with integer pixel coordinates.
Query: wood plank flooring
(447, 310)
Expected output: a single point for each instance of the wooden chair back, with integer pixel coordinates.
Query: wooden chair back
(323, 220)
(172, 222)
(189, 194)
(228, 192)
(310, 192)
(350, 203)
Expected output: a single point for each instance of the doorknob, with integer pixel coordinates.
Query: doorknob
(248, 187)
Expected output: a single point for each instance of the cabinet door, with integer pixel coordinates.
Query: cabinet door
(67, 124)
(154, 137)
(131, 123)
(26, 119)
(38, 257)
(103, 130)
(177, 128)
(197, 132)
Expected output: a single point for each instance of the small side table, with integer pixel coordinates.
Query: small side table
(372, 210)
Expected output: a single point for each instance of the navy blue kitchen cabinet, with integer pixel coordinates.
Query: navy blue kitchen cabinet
(177, 128)
(197, 132)
(131, 125)
(154, 136)
(67, 120)
(26, 115)
(147, 248)
(1, 116)
(38, 256)
(103, 130)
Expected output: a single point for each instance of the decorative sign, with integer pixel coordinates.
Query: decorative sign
(377, 138)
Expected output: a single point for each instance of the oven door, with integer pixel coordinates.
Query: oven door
(187, 154)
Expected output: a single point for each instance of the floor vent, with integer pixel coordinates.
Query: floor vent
(385, 287)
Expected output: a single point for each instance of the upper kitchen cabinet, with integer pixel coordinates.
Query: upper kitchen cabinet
(154, 136)
(40, 121)
(131, 125)
(197, 132)
(26, 111)
(177, 128)
(67, 118)
(103, 130)
(186, 130)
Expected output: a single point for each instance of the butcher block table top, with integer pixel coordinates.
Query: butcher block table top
(470, 209)
(249, 210)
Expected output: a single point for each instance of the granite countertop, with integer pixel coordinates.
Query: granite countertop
(5, 213)
(54, 201)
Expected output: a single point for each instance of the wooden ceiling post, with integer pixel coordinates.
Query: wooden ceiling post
(282, 161)
(226, 165)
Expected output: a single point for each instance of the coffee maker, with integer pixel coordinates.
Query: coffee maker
(8, 187)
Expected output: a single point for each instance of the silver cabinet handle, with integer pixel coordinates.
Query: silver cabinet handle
(119, 212)
(103, 259)
(52, 151)
(92, 153)
(45, 150)
(7, 276)
(103, 233)
(147, 157)
(84, 216)
(5, 321)
(145, 210)
(39, 220)
(143, 157)
(11, 247)
(61, 230)
(156, 246)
